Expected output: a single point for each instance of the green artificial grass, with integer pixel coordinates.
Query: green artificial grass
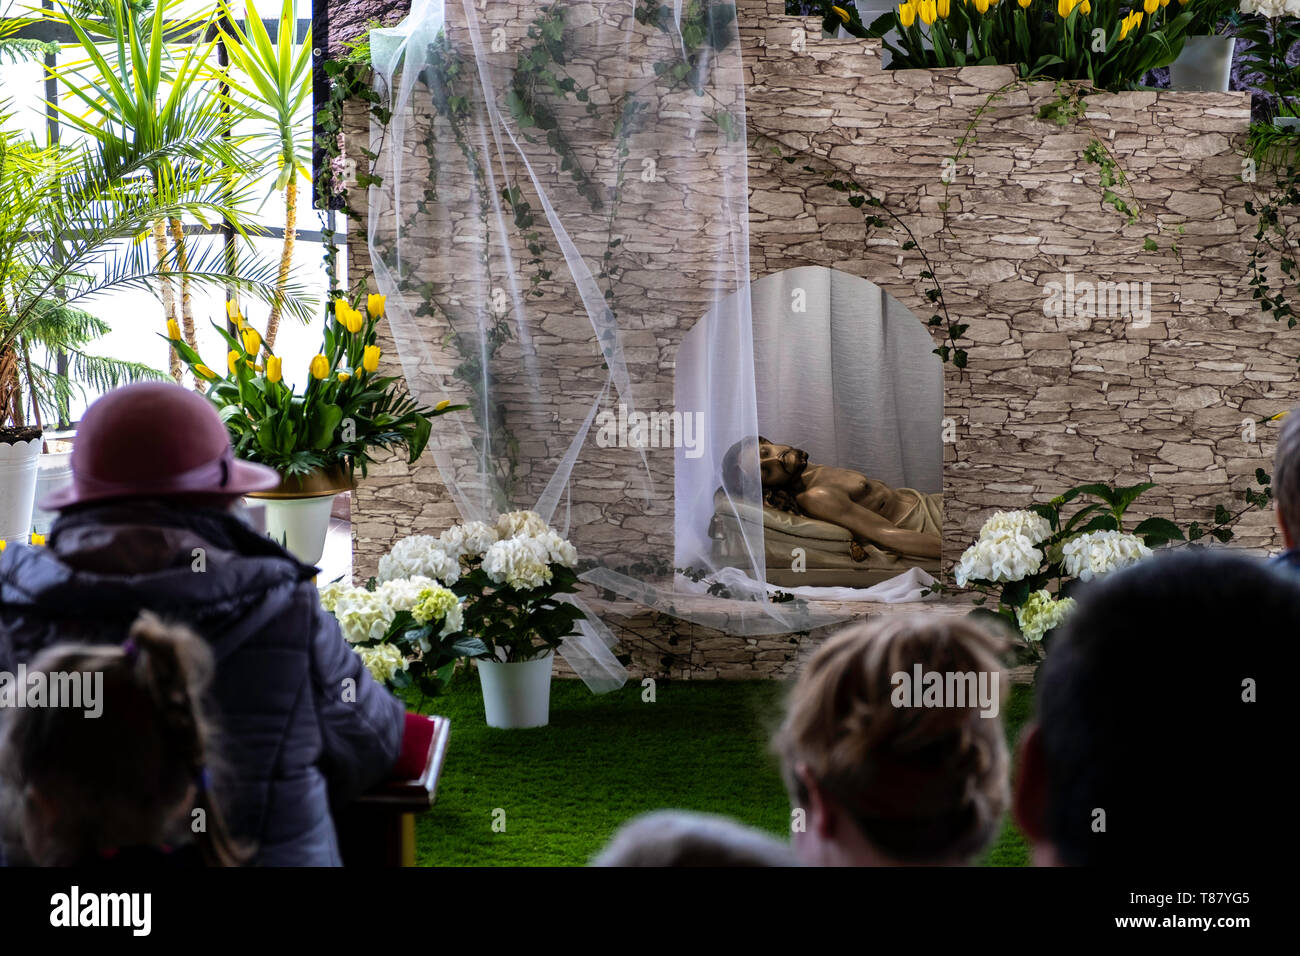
(553, 796)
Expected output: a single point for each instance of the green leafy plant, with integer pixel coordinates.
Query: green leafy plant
(1109, 44)
(1031, 560)
(270, 86)
(345, 412)
(409, 635)
(68, 228)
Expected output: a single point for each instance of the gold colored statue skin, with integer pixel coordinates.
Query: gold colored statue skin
(895, 519)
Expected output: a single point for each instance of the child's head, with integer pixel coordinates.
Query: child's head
(881, 780)
(76, 785)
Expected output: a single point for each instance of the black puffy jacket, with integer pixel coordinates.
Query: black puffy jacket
(301, 722)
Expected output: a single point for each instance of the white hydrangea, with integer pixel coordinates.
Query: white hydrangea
(1272, 8)
(1028, 523)
(363, 615)
(1002, 559)
(439, 604)
(1098, 552)
(520, 523)
(330, 594)
(402, 594)
(419, 555)
(558, 550)
(382, 660)
(520, 562)
(468, 540)
(1040, 613)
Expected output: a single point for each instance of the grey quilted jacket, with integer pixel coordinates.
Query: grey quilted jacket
(295, 739)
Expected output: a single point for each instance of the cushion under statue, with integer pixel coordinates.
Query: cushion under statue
(854, 531)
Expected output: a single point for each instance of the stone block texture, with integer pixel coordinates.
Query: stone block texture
(1049, 398)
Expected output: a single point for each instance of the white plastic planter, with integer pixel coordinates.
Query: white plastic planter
(518, 695)
(18, 462)
(53, 471)
(1205, 64)
(299, 524)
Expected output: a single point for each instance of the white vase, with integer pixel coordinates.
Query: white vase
(1205, 64)
(53, 471)
(18, 463)
(299, 525)
(516, 695)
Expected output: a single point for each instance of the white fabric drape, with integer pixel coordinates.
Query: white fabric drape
(621, 126)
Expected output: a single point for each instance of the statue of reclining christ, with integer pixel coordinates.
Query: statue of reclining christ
(901, 520)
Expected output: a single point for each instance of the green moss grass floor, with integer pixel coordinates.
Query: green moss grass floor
(556, 794)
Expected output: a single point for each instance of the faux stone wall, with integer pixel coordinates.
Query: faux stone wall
(1045, 402)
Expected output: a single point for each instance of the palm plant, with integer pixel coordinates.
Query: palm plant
(16, 49)
(58, 329)
(69, 226)
(137, 96)
(270, 85)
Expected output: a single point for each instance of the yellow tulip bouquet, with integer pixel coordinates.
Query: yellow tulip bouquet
(346, 411)
(1111, 44)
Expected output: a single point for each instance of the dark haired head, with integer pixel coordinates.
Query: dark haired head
(733, 464)
(1149, 747)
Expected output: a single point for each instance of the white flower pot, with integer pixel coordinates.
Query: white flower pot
(53, 471)
(18, 464)
(299, 524)
(1204, 64)
(516, 695)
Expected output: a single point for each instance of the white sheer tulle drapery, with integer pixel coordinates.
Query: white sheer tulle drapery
(560, 196)
(863, 389)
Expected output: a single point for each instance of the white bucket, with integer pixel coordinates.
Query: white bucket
(517, 695)
(17, 488)
(1205, 64)
(53, 471)
(299, 524)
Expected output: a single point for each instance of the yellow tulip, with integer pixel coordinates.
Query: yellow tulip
(344, 376)
(981, 7)
(375, 305)
(1063, 8)
(1024, 4)
(232, 310)
(945, 7)
(273, 369)
(370, 358)
(252, 340)
(319, 368)
(1086, 7)
(232, 360)
(38, 539)
(348, 317)
(843, 14)
(202, 371)
(1150, 6)
(446, 401)
(173, 330)
(2, 544)
(1164, 3)
(929, 12)
(1134, 19)
(906, 14)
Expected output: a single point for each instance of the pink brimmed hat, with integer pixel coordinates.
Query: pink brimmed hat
(151, 439)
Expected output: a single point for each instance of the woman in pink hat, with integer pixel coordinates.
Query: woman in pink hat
(147, 524)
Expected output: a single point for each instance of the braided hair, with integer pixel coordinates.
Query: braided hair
(138, 774)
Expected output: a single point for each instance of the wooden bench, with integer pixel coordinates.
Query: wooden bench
(378, 828)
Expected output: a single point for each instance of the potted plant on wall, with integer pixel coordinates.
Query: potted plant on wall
(1273, 27)
(1206, 60)
(318, 437)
